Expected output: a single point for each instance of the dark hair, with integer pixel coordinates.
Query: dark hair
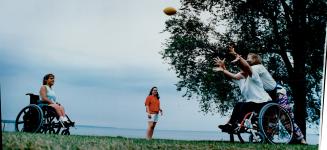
(158, 97)
(46, 77)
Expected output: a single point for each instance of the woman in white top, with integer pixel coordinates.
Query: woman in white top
(276, 91)
(251, 87)
(48, 96)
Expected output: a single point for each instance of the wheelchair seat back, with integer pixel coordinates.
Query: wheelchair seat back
(34, 99)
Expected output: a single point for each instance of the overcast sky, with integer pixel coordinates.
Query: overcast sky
(105, 56)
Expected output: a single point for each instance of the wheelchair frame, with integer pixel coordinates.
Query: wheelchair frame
(273, 124)
(40, 118)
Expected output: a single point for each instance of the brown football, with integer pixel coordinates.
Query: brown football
(170, 11)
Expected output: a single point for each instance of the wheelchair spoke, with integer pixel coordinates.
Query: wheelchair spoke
(20, 122)
(39, 119)
(276, 124)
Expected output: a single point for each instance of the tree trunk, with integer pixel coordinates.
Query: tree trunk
(297, 78)
(298, 85)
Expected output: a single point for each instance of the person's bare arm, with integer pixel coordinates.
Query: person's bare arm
(244, 65)
(148, 111)
(234, 76)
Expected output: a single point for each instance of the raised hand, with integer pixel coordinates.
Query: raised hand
(220, 64)
(231, 50)
(238, 57)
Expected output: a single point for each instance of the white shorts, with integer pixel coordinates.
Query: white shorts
(154, 118)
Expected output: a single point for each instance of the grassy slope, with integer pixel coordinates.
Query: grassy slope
(13, 140)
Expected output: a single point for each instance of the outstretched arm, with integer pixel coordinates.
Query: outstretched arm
(243, 64)
(221, 67)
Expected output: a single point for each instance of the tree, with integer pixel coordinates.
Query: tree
(289, 34)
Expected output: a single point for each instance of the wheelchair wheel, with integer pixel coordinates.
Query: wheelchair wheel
(65, 132)
(259, 138)
(29, 119)
(51, 131)
(49, 120)
(276, 124)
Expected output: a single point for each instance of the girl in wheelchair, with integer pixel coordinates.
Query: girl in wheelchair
(48, 96)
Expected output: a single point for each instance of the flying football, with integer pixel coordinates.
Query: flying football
(170, 11)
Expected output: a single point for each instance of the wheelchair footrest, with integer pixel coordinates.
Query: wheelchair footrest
(69, 124)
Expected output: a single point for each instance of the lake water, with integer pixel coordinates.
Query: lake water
(312, 139)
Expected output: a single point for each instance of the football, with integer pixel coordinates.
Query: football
(170, 11)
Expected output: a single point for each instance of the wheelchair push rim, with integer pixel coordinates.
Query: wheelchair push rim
(276, 124)
(29, 119)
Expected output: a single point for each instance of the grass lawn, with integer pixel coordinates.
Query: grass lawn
(14, 140)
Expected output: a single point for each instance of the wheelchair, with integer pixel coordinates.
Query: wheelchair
(273, 124)
(41, 118)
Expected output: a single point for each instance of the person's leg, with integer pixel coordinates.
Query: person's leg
(150, 129)
(283, 102)
(57, 109)
(245, 108)
(62, 110)
(232, 122)
(235, 117)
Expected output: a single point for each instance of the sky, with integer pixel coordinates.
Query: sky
(105, 56)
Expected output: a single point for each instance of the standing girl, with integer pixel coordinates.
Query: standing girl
(152, 104)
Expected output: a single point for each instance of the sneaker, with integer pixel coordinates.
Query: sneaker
(303, 141)
(65, 119)
(61, 118)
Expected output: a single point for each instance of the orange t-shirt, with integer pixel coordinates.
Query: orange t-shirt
(153, 103)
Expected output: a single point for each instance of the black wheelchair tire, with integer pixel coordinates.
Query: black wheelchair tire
(65, 132)
(28, 113)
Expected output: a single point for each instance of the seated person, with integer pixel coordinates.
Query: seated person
(276, 91)
(251, 87)
(48, 96)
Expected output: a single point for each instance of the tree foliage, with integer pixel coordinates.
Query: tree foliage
(289, 35)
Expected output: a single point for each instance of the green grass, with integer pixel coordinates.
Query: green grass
(14, 140)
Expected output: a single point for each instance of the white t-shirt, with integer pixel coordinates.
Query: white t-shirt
(268, 81)
(252, 89)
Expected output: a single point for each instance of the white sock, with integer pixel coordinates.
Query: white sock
(61, 118)
(65, 119)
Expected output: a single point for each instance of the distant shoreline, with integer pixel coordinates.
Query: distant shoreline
(110, 127)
